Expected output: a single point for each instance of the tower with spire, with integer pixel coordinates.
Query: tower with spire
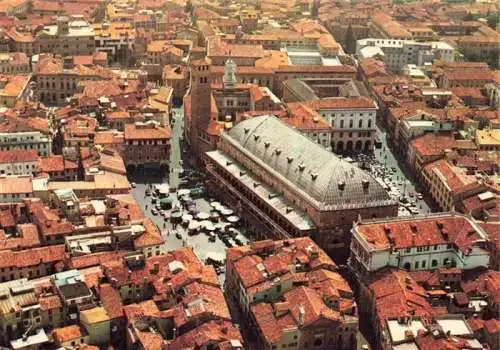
(229, 78)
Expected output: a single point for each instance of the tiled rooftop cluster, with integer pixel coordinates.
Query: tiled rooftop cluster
(287, 286)
(446, 308)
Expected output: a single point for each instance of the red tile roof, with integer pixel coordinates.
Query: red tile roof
(212, 332)
(111, 300)
(32, 257)
(302, 117)
(432, 145)
(48, 221)
(429, 341)
(18, 156)
(65, 334)
(151, 237)
(453, 178)
(342, 103)
(220, 48)
(27, 238)
(481, 281)
(50, 302)
(492, 326)
(95, 259)
(315, 69)
(147, 339)
(396, 294)
(418, 232)
(109, 138)
(256, 271)
(50, 164)
(471, 75)
(146, 132)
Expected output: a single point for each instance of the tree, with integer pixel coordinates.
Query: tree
(493, 19)
(469, 17)
(189, 7)
(349, 40)
(315, 9)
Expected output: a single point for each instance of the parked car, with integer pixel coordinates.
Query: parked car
(154, 211)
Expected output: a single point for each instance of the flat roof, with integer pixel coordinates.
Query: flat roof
(95, 315)
(397, 330)
(38, 338)
(75, 290)
(456, 326)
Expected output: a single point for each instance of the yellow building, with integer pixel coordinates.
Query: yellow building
(97, 323)
(488, 140)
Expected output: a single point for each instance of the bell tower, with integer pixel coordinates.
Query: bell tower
(229, 78)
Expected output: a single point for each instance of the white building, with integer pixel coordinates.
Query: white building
(419, 243)
(398, 53)
(352, 120)
(26, 140)
(114, 37)
(69, 36)
(18, 162)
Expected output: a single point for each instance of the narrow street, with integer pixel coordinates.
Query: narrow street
(401, 176)
(175, 148)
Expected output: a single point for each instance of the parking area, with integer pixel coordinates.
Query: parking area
(188, 218)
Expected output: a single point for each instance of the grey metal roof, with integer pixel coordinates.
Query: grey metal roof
(301, 163)
(300, 88)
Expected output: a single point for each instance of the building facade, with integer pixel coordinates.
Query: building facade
(419, 244)
(146, 144)
(352, 120)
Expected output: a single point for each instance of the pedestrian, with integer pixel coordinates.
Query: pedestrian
(146, 207)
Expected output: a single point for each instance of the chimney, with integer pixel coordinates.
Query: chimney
(366, 184)
(445, 235)
(302, 315)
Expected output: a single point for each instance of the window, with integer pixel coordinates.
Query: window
(423, 264)
(434, 263)
(351, 123)
(416, 265)
(407, 250)
(318, 342)
(360, 123)
(407, 266)
(369, 123)
(342, 124)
